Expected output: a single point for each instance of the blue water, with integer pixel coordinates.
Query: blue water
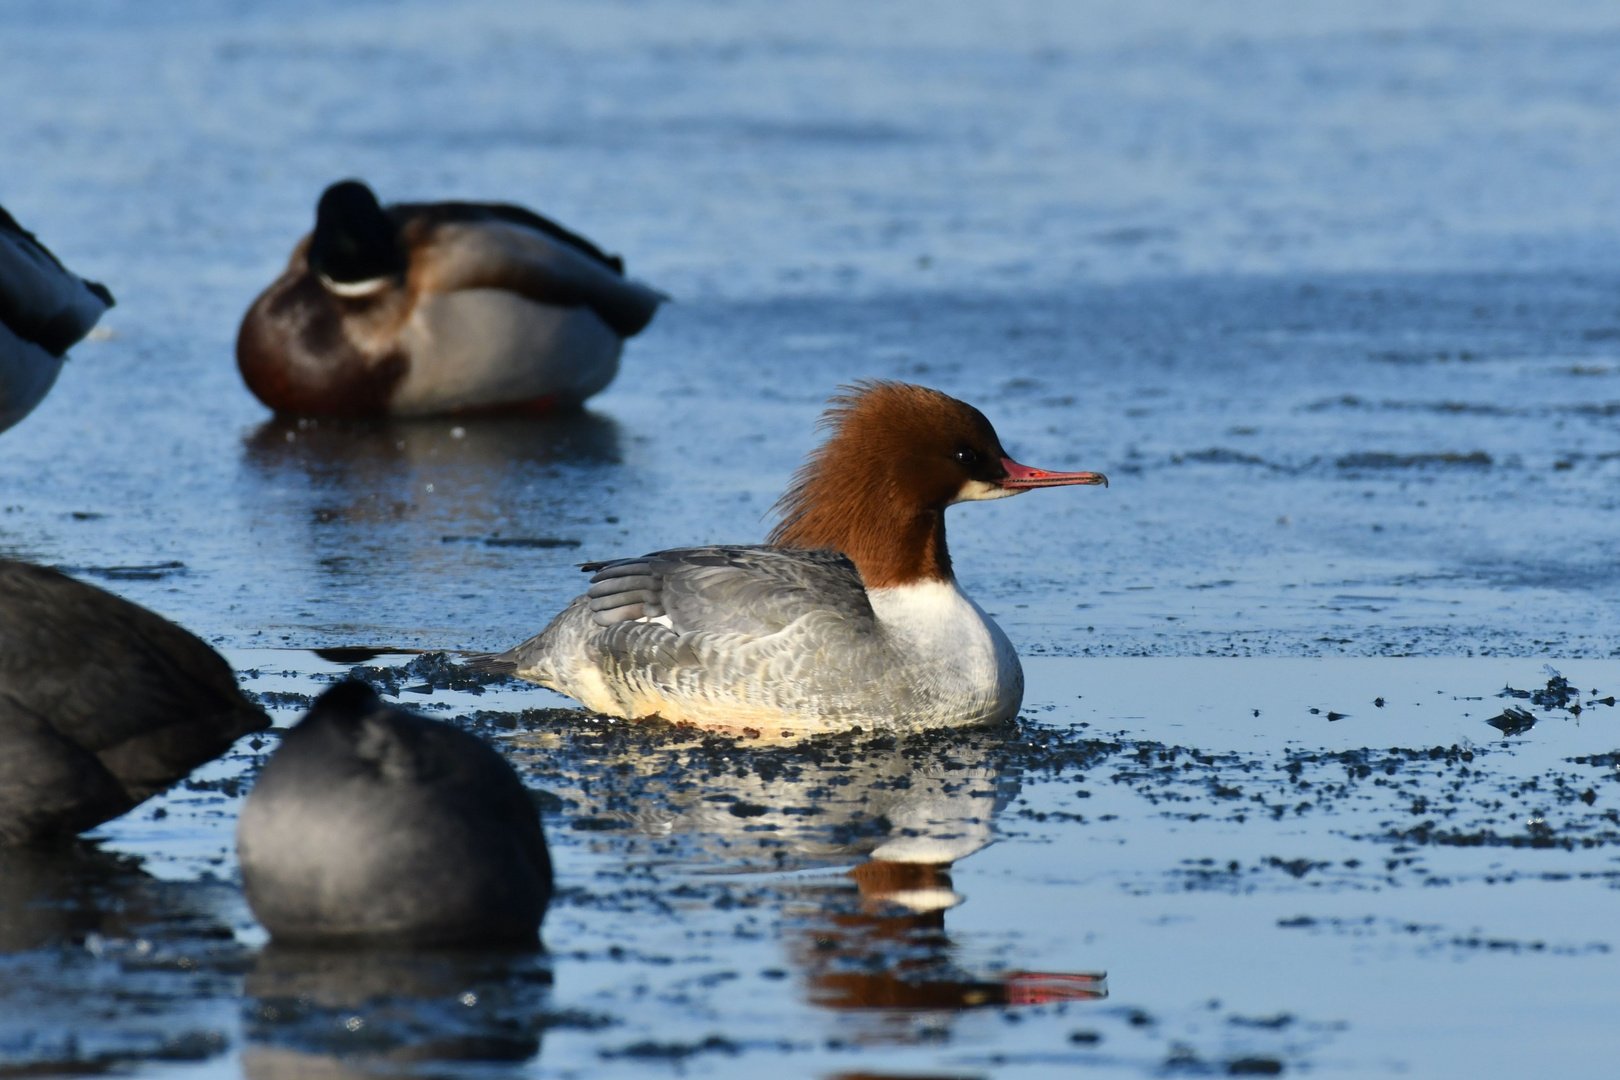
(1331, 293)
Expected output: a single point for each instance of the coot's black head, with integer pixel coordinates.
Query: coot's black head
(354, 240)
(349, 701)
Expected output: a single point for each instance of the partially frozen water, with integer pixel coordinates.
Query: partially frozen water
(1332, 294)
(1255, 865)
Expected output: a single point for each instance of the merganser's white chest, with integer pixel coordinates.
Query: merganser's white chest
(954, 655)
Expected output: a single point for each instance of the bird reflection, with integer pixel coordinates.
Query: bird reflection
(385, 447)
(340, 1013)
(477, 470)
(873, 938)
(356, 502)
(98, 957)
(741, 804)
(890, 950)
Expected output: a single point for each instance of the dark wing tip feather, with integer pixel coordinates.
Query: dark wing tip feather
(618, 568)
(491, 664)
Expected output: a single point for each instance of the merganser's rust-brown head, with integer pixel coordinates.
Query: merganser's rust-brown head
(897, 455)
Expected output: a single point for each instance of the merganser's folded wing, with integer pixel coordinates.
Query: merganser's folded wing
(743, 634)
(755, 591)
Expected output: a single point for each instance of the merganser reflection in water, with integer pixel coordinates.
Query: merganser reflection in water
(850, 617)
(884, 820)
(891, 950)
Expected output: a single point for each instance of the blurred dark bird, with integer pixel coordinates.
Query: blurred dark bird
(44, 309)
(373, 825)
(422, 308)
(102, 705)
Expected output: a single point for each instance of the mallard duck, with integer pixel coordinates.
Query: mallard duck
(102, 705)
(371, 824)
(422, 308)
(44, 310)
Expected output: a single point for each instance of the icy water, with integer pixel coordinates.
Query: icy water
(1332, 296)
(1169, 865)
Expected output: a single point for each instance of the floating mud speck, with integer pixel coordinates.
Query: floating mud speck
(1557, 694)
(426, 674)
(1478, 459)
(513, 541)
(357, 654)
(146, 572)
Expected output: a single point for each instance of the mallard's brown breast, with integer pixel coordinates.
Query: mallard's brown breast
(302, 349)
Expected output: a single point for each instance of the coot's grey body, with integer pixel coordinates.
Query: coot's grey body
(373, 825)
(44, 309)
(102, 705)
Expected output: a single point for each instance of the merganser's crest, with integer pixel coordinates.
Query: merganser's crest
(896, 456)
(852, 617)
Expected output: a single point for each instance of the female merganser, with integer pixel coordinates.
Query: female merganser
(851, 617)
(44, 309)
(102, 705)
(422, 308)
(372, 824)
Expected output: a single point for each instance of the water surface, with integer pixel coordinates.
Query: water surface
(1168, 864)
(1331, 294)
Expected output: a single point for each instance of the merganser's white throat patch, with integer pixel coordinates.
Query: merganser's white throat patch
(980, 490)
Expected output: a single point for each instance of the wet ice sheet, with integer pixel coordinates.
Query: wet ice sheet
(1329, 292)
(1396, 889)
(1329, 289)
(1357, 466)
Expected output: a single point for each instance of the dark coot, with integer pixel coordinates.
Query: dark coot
(371, 825)
(102, 705)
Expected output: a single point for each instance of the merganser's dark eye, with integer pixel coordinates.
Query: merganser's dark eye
(967, 458)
